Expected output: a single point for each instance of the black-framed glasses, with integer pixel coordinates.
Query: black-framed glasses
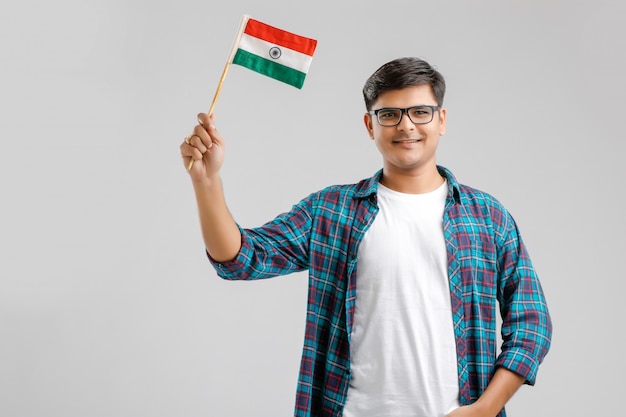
(391, 116)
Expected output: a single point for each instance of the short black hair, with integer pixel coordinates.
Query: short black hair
(402, 73)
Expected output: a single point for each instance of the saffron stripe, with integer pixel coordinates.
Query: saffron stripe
(269, 68)
(280, 37)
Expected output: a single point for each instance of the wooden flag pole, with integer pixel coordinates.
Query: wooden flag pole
(219, 87)
(233, 49)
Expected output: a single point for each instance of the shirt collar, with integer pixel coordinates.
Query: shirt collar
(454, 188)
(369, 186)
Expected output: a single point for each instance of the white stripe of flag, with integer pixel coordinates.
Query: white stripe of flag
(288, 57)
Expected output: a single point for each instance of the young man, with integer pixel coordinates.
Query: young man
(407, 269)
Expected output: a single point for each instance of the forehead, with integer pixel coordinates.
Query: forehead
(406, 97)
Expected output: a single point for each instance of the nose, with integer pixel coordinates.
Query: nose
(405, 122)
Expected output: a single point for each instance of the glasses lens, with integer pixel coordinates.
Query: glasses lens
(420, 114)
(389, 117)
(417, 115)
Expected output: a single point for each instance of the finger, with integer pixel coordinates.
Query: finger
(188, 150)
(196, 141)
(207, 121)
(201, 138)
(204, 119)
(213, 132)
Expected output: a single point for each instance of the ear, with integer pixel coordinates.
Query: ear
(442, 121)
(367, 119)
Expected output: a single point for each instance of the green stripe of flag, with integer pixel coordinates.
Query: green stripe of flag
(270, 68)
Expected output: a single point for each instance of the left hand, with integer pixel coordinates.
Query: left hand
(500, 389)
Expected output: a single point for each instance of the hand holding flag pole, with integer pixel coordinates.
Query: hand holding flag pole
(217, 93)
(244, 19)
(270, 51)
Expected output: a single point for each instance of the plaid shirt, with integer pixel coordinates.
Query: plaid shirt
(487, 262)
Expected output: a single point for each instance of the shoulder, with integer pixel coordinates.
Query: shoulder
(342, 193)
(471, 202)
(475, 197)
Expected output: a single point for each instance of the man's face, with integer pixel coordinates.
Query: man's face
(407, 148)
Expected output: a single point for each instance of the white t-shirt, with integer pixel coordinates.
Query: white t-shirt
(402, 348)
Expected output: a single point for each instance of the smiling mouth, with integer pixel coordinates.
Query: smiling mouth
(407, 141)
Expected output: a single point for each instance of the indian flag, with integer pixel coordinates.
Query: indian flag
(273, 52)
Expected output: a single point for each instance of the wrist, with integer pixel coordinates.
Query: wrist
(485, 408)
(207, 182)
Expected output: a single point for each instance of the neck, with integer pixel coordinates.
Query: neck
(412, 182)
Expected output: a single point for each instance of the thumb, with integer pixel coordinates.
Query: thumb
(215, 135)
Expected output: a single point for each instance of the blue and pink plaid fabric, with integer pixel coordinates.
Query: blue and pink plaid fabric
(489, 269)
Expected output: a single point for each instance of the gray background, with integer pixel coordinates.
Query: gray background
(108, 306)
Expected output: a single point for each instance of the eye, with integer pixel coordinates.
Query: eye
(420, 112)
(387, 114)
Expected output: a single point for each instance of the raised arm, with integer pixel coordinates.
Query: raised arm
(207, 147)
